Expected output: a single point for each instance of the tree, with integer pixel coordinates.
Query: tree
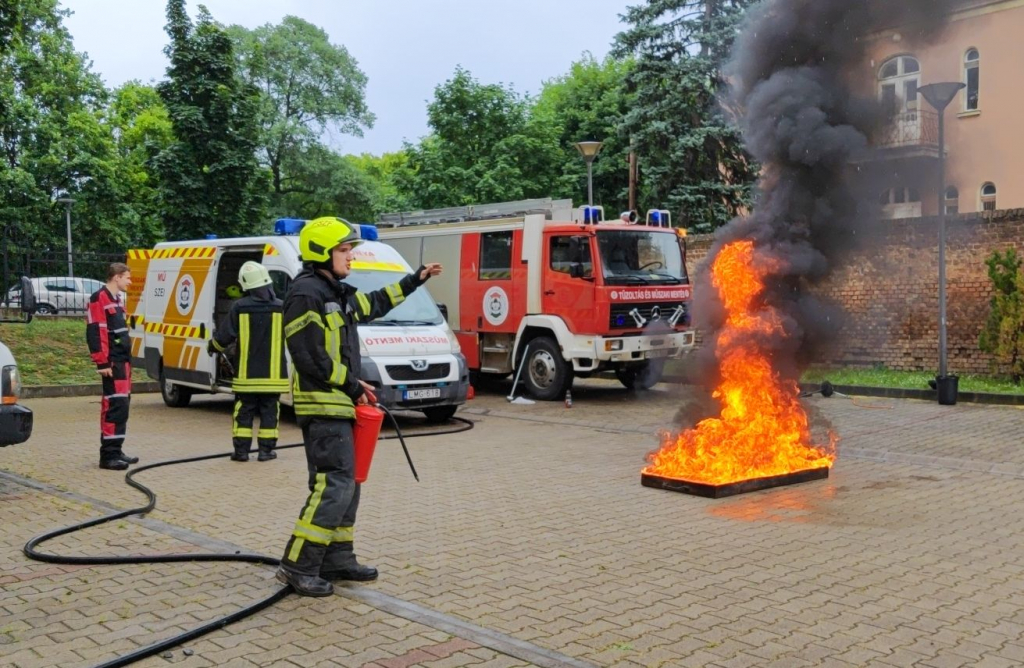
(386, 172)
(307, 85)
(209, 177)
(484, 146)
(52, 141)
(141, 127)
(331, 185)
(1003, 333)
(691, 156)
(589, 103)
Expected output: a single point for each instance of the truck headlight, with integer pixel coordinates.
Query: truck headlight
(612, 346)
(456, 348)
(10, 385)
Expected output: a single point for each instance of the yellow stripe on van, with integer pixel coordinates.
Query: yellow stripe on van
(379, 266)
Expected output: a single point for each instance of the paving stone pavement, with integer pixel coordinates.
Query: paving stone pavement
(534, 525)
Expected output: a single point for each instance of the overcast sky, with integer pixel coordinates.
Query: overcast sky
(405, 47)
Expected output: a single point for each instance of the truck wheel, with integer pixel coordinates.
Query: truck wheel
(547, 374)
(439, 414)
(174, 396)
(642, 377)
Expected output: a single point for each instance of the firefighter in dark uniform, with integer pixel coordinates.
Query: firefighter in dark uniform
(320, 316)
(106, 332)
(254, 324)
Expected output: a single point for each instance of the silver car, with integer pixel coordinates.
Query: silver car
(58, 294)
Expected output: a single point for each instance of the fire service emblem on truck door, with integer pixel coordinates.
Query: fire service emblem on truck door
(495, 305)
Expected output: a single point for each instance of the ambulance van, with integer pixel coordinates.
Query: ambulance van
(182, 290)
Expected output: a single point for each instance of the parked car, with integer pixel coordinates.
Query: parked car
(57, 294)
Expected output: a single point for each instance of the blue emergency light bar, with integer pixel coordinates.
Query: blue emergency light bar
(368, 232)
(288, 225)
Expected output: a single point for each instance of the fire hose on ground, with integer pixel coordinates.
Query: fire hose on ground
(31, 551)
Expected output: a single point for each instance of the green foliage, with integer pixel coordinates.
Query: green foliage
(209, 177)
(385, 172)
(326, 183)
(691, 156)
(590, 102)
(1003, 333)
(485, 146)
(307, 85)
(52, 141)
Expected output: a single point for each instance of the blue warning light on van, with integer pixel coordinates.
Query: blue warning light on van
(287, 226)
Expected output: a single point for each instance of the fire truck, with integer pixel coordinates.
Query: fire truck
(551, 292)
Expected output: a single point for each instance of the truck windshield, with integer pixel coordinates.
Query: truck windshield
(640, 257)
(418, 308)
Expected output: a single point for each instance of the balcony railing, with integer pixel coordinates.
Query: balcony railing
(914, 131)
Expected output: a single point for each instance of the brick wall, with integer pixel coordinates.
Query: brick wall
(889, 290)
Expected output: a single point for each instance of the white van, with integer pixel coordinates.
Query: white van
(180, 293)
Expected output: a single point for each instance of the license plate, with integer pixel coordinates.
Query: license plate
(660, 352)
(429, 393)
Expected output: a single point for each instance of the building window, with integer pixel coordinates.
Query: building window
(900, 202)
(495, 256)
(972, 77)
(952, 201)
(897, 80)
(988, 197)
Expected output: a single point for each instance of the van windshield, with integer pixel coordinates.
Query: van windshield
(417, 309)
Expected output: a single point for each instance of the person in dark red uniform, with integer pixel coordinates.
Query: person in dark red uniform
(111, 350)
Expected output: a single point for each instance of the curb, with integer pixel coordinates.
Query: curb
(85, 390)
(897, 393)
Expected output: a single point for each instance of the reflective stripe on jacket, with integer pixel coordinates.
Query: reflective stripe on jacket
(256, 323)
(320, 317)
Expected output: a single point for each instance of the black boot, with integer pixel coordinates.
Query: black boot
(113, 464)
(305, 585)
(240, 455)
(266, 452)
(355, 573)
(128, 458)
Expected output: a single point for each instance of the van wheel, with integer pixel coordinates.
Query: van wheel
(547, 374)
(439, 414)
(174, 396)
(46, 309)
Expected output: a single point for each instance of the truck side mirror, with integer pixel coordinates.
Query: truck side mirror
(443, 308)
(576, 270)
(28, 296)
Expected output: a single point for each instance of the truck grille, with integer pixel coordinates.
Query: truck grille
(621, 319)
(406, 372)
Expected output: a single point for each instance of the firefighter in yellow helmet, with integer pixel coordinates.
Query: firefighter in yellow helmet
(255, 323)
(321, 314)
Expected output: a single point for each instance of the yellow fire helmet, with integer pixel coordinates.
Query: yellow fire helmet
(319, 236)
(253, 275)
(233, 291)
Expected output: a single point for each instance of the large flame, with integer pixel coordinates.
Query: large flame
(763, 430)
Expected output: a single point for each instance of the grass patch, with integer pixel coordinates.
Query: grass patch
(912, 380)
(52, 351)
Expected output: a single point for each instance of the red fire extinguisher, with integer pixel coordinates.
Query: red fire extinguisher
(365, 433)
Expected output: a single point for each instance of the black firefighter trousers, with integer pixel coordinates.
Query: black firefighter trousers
(323, 534)
(117, 390)
(247, 406)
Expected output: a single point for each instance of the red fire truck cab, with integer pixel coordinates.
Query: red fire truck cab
(531, 283)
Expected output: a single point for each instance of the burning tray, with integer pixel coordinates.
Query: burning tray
(732, 488)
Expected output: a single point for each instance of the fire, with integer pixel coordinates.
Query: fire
(763, 430)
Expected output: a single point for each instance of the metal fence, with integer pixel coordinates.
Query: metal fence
(62, 287)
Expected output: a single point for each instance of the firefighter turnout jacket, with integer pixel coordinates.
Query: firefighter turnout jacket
(320, 316)
(255, 323)
(106, 330)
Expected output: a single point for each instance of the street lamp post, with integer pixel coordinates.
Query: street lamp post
(589, 151)
(67, 202)
(939, 95)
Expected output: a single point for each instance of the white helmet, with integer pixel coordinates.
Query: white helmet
(253, 275)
